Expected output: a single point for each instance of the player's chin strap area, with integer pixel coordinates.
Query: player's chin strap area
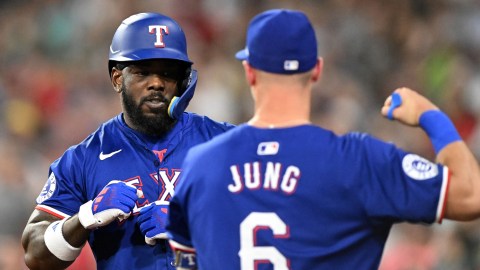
(179, 104)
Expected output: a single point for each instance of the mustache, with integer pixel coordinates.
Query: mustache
(158, 97)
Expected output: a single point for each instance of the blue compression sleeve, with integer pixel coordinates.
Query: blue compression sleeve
(439, 129)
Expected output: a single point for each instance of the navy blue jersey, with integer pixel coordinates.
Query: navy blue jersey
(299, 198)
(116, 152)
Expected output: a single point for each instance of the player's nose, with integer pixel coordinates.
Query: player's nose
(156, 82)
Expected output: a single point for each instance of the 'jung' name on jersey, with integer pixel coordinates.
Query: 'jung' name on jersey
(272, 177)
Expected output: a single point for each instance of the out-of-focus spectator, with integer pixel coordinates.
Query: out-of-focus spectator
(15, 206)
(414, 251)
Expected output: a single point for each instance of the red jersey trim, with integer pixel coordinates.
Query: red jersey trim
(51, 211)
(442, 202)
(178, 246)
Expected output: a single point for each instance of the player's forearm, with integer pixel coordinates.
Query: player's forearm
(73, 231)
(463, 197)
(37, 255)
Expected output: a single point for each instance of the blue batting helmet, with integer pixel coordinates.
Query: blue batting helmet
(146, 36)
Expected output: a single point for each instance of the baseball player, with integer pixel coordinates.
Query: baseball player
(113, 188)
(281, 193)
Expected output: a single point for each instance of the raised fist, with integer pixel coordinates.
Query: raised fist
(116, 201)
(406, 106)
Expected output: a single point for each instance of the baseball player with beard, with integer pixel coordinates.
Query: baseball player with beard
(113, 188)
(281, 193)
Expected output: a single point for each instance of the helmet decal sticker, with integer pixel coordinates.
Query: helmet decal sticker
(158, 30)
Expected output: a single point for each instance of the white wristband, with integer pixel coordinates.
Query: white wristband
(57, 244)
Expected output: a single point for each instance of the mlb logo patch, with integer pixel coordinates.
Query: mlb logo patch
(268, 148)
(291, 65)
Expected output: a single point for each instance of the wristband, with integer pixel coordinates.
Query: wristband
(439, 129)
(57, 244)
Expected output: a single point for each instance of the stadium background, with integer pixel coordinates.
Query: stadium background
(55, 90)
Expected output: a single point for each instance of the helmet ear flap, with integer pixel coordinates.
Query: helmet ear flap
(187, 78)
(179, 104)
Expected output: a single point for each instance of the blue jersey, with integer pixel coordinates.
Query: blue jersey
(299, 198)
(116, 152)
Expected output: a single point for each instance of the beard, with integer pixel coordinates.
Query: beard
(156, 125)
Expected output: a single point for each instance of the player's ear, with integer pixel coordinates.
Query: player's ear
(318, 69)
(117, 79)
(249, 73)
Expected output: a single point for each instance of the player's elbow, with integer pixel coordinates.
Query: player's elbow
(37, 256)
(35, 262)
(463, 202)
(471, 207)
(32, 262)
(467, 215)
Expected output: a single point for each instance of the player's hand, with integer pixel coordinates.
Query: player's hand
(116, 201)
(152, 220)
(406, 106)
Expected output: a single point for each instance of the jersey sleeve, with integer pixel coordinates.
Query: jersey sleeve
(401, 186)
(177, 225)
(62, 193)
(178, 229)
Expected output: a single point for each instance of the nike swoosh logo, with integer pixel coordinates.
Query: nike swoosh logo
(112, 51)
(103, 156)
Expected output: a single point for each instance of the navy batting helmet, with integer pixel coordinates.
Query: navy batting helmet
(146, 36)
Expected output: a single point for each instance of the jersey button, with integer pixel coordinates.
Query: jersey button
(156, 163)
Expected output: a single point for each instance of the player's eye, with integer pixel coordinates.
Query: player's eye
(167, 74)
(170, 75)
(139, 72)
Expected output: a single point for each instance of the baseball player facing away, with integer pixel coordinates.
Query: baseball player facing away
(281, 193)
(113, 188)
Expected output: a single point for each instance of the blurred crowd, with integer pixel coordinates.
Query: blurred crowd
(55, 89)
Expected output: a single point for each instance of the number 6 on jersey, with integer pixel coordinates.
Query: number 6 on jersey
(250, 255)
